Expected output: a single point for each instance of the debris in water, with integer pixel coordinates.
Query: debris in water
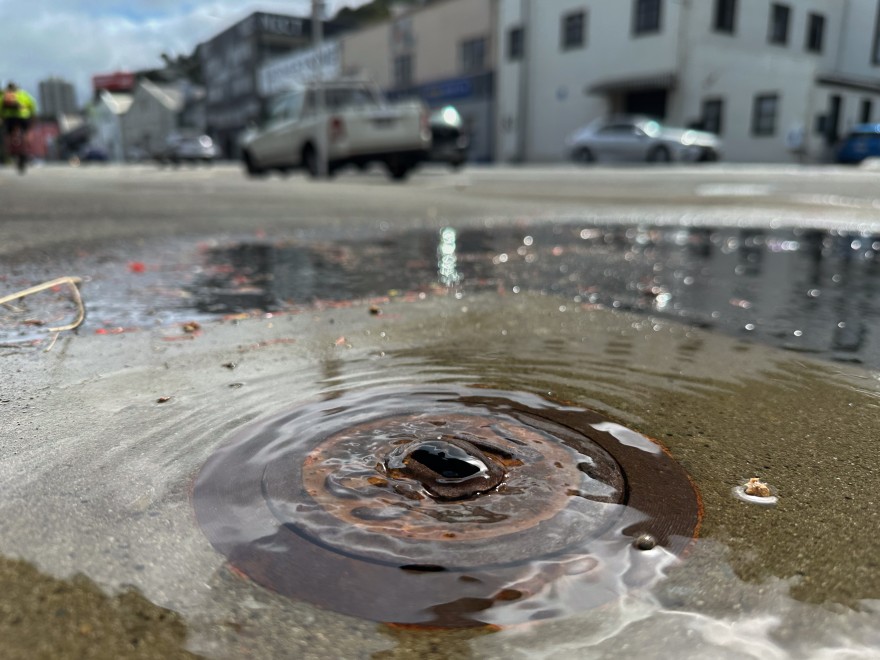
(646, 542)
(756, 491)
(191, 327)
(757, 488)
(55, 285)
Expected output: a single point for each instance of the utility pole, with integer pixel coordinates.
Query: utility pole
(320, 100)
(522, 113)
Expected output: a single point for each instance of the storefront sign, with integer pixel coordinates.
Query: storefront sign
(299, 67)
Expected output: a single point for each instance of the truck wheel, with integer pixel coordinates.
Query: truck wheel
(398, 168)
(310, 161)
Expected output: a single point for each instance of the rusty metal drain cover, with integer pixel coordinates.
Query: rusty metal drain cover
(446, 506)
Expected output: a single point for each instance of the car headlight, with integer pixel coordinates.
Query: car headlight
(206, 141)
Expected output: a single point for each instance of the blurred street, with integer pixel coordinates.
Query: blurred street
(57, 207)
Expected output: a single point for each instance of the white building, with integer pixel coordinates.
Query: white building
(152, 117)
(105, 118)
(767, 76)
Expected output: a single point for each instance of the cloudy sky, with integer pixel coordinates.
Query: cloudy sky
(75, 39)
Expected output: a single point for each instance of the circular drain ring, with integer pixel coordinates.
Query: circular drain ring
(230, 502)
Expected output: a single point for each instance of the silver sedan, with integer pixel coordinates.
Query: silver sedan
(634, 139)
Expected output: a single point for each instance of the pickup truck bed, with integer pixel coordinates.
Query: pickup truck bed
(360, 128)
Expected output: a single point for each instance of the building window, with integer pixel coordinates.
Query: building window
(867, 108)
(725, 16)
(473, 55)
(573, 30)
(646, 16)
(815, 32)
(764, 115)
(711, 116)
(516, 44)
(778, 33)
(403, 70)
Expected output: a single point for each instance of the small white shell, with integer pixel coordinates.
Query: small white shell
(739, 492)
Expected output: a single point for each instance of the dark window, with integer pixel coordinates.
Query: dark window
(867, 108)
(725, 16)
(473, 55)
(779, 15)
(403, 71)
(764, 114)
(712, 115)
(573, 30)
(815, 32)
(646, 16)
(516, 44)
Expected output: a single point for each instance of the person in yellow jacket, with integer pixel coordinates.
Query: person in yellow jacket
(17, 108)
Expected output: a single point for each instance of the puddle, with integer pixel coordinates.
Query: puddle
(545, 312)
(810, 291)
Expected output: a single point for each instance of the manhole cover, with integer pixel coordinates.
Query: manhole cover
(446, 507)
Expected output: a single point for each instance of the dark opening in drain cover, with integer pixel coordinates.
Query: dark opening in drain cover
(446, 507)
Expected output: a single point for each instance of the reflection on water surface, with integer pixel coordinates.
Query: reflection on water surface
(806, 290)
(813, 291)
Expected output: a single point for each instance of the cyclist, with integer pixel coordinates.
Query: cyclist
(17, 107)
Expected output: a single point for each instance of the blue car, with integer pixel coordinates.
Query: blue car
(863, 141)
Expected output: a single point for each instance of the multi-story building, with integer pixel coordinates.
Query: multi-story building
(230, 64)
(443, 53)
(779, 81)
(57, 97)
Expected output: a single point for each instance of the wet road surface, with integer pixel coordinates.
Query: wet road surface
(644, 323)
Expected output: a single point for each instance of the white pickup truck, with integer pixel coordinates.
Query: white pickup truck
(361, 128)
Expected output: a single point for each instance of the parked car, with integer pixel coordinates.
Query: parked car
(640, 139)
(863, 141)
(92, 154)
(360, 125)
(449, 140)
(182, 148)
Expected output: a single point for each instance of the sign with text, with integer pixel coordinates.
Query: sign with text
(299, 67)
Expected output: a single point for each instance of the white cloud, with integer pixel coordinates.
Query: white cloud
(76, 39)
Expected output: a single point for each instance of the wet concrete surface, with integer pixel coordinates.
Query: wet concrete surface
(97, 472)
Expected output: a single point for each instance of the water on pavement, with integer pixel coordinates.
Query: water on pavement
(618, 320)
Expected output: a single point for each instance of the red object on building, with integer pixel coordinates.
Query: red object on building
(120, 81)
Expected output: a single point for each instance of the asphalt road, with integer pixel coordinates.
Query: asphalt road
(62, 206)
